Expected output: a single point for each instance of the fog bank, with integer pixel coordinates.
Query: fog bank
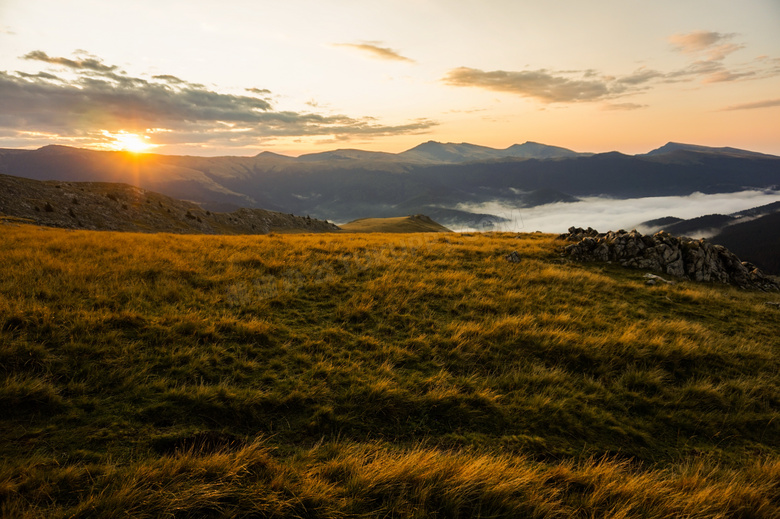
(605, 214)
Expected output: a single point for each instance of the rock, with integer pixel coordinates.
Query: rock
(657, 279)
(698, 260)
(513, 257)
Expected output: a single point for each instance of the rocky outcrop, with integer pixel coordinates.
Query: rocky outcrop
(682, 257)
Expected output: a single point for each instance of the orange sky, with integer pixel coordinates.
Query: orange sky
(239, 77)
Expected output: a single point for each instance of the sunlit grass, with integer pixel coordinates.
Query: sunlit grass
(387, 375)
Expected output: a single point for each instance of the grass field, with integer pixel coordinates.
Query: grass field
(374, 375)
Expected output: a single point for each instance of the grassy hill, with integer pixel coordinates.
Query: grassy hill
(403, 224)
(122, 207)
(374, 375)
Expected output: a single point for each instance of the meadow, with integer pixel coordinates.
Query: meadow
(375, 375)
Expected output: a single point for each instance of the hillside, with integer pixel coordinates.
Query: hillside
(121, 207)
(436, 179)
(752, 234)
(407, 224)
(375, 375)
(757, 239)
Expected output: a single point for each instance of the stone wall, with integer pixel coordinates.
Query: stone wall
(682, 257)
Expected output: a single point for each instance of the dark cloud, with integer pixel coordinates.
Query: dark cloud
(769, 103)
(539, 84)
(40, 75)
(101, 98)
(375, 51)
(260, 91)
(89, 63)
(169, 79)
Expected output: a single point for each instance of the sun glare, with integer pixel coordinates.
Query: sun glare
(134, 143)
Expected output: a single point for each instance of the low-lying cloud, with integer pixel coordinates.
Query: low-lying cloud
(88, 97)
(604, 214)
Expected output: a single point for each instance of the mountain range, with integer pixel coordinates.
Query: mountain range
(440, 180)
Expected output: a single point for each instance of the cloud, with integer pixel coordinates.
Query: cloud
(606, 214)
(727, 75)
(89, 63)
(539, 84)
(639, 77)
(714, 45)
(769, 103)
(622, 106)
(708, 48)
(169, 79)
(697, 41)
(100, 98)
(375, 51)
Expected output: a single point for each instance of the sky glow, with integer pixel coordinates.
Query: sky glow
(238, 77)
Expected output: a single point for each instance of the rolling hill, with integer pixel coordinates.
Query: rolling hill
(407, 224)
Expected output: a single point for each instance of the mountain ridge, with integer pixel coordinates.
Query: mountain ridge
(672, 147)
(346, 184)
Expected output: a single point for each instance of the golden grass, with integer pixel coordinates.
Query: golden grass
(399, 224)
(432, 377)
(372, 480)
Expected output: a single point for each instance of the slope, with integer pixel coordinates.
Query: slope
(404, 224)
(121, 207)
(375, 375)
(756, 240)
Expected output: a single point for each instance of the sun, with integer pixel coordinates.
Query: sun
(132, 142)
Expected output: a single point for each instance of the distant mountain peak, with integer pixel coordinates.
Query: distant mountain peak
(451, 152)
(271, 154)
(537, 150)
(672, 147)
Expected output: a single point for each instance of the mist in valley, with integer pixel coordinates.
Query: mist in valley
(604, 214)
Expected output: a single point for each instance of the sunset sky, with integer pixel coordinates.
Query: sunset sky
(237, 77)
